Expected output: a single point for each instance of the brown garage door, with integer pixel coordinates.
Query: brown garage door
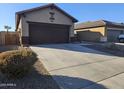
(40, 33)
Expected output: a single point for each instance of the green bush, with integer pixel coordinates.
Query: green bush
(17, 63)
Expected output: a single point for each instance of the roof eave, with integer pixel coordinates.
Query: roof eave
(45, 6)
(89, 27)
(73, 19)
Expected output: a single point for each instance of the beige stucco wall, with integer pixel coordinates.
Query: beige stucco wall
(43, 16)
(97, 29)
(99, 34)
(20, 30)
(20, 25)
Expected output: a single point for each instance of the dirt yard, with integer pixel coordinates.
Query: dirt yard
(38, 78)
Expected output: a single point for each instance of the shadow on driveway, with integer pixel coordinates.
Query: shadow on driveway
(74, 47)
(36, 80)
(67, 82)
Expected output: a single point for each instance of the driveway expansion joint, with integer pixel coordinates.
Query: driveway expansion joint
(105, 79)
(80, 65)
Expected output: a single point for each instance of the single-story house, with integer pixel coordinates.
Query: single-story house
(44, 24)
(99, 31)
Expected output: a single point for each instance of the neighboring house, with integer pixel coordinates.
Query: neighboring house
(99, 31)
(45, 24)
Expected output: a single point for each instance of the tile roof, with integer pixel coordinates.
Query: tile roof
(90, 24)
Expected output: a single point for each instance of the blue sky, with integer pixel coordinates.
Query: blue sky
(82, 12)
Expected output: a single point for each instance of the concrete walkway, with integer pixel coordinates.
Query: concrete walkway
(75, 66)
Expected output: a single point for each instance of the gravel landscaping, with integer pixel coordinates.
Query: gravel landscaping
(38, 78)
(102, 47)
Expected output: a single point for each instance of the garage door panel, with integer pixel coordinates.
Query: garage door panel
(48, 33)
(89, 36)
(112, 35)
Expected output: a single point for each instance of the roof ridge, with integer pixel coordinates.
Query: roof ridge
(112, 22)
(45, 6)
(99, 23)
(104, 21)
(91, 22)
(30, 9)
(18, 14)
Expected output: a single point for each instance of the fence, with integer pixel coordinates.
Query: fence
(9, 38)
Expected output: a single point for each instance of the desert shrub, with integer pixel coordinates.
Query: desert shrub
(17, 63)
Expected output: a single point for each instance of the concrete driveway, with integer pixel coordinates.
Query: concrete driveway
(75, 66)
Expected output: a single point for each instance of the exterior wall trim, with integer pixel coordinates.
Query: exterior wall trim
(31, 22)
(115, 28)
(90, 27)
